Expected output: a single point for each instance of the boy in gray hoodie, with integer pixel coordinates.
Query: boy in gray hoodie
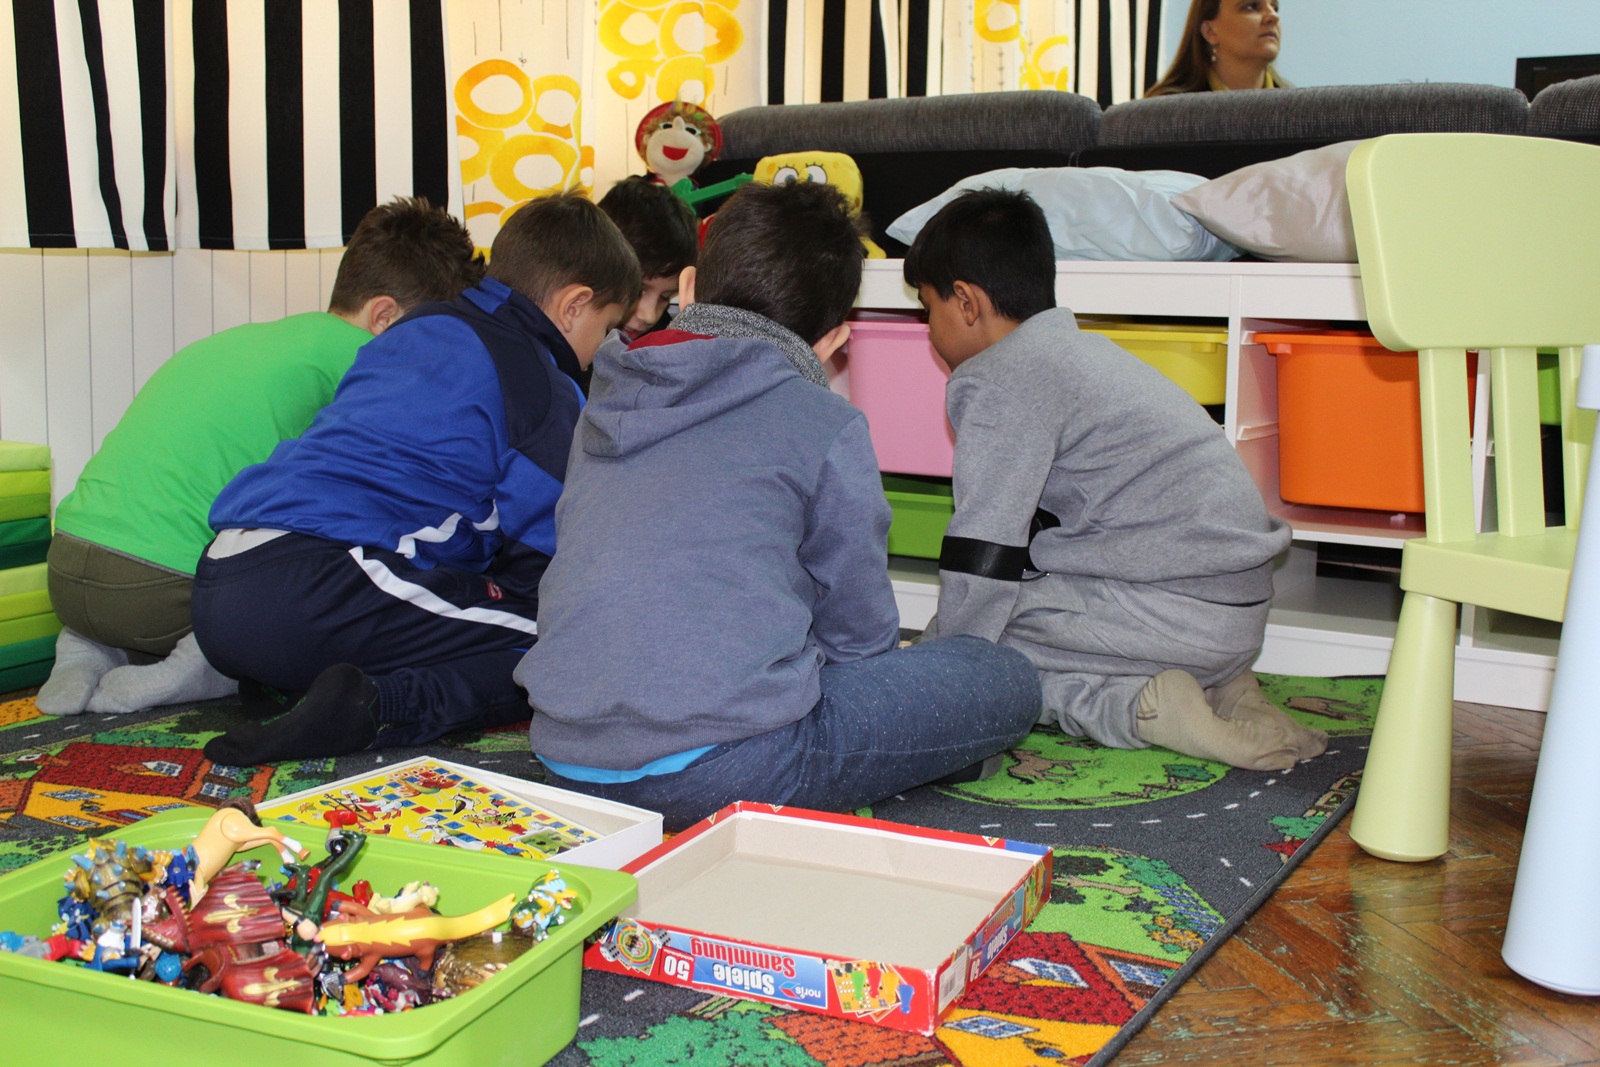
(1103, 524)
(719, 623)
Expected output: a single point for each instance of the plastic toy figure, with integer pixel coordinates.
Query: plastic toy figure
(675, 140)
(111, 879)
(235, 924)
(468, 963)
(544, 906)
(280, 980)
(306, 894)
(393, 986)
(227, 832)
(829, 168)
(419, 934)
(77, 918)
(411, 896)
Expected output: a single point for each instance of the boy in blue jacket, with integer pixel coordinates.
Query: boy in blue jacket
(719, 623)
(387, 562)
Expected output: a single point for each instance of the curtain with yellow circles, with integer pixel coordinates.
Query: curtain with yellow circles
(1106, 49)
(520, 100)
(548, 97)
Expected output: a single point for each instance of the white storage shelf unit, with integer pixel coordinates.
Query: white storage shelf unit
(1319, 626)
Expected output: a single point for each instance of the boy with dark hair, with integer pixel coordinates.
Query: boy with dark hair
(387, 562)
(130, 533)
(663, 232)
(719, 623)
(1103, 524)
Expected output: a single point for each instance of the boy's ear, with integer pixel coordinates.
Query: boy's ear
(830, 342)
(971, 301)
(567, 304)
(378, 314)
(686, 287)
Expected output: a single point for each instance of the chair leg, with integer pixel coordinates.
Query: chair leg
(1403, 808)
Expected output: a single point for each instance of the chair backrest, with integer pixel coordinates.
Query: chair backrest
(1488, 242)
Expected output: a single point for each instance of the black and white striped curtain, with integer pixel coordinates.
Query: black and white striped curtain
(821, 50)
(251, 124)
(306, 113)
(86, 138)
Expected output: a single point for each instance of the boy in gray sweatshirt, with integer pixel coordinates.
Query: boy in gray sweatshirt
(1103, 524)
(719, 624)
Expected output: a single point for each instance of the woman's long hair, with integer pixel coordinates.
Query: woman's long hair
(1191, 67)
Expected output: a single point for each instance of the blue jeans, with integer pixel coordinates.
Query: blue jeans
(884, 725)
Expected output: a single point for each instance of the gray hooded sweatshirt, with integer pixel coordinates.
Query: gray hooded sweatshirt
(722, 536)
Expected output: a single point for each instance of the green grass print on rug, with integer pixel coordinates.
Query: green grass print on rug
(1158, 857)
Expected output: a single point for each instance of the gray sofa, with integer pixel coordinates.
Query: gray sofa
(1569, 109)
(911, 150)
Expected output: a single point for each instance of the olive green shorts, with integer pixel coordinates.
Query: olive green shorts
(117, 600)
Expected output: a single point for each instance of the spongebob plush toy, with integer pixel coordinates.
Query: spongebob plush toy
(831, 168)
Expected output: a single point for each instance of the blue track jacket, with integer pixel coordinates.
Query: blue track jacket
(446, 442)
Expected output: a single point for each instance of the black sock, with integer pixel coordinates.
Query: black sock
(337, 716)
(262, 701)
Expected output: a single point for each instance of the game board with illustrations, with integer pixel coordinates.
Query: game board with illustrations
(436, 802)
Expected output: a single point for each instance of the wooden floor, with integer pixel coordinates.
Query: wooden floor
(1361, 961)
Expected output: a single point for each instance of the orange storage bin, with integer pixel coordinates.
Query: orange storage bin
(1349, 420)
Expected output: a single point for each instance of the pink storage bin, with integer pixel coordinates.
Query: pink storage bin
(898, 381)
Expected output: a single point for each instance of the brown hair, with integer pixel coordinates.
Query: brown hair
(1191, 67)
(657, 223)
(562, 240)
(789, 252)
(409, 250)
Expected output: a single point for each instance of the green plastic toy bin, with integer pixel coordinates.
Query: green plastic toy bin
(922, 508)
(523, 1015)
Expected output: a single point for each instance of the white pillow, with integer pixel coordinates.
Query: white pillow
(1294, 209)
(1095, 212)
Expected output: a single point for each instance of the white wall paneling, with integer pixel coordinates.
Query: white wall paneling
(154, 312)
(22, 362)
(230, 288)
(83, 330)
(68, 388)
(302, 274)
(191, 296)
(268, 286)
(111, 331)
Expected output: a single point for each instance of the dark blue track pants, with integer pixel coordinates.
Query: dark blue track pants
(441, 644)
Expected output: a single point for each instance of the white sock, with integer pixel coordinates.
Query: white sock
(183, 676)
(80, 664)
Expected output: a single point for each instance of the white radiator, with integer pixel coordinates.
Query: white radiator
(80, 331)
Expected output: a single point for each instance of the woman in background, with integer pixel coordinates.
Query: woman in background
(1227, 44)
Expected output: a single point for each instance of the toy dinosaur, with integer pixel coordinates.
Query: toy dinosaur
(417, 933)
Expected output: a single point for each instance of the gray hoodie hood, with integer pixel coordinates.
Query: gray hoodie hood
(682, 376)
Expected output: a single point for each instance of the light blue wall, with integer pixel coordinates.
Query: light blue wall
(1365, 42)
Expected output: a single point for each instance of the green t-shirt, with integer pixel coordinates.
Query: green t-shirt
(213, 409)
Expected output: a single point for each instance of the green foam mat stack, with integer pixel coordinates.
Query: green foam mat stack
(28, 627)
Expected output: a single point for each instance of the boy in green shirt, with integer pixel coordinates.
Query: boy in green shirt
(129, 534)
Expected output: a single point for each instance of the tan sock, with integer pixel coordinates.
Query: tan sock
(1243, 699)
(1172, 712)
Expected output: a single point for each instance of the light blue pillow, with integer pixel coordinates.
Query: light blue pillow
(1101, 213)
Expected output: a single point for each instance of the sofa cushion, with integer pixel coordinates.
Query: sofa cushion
(964, 122)
(1294, 208)
(1323, 112)
(1096, 213)
(1569, 108)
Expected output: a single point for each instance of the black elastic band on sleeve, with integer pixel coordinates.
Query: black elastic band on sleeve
(1005, 563)
(985, 559)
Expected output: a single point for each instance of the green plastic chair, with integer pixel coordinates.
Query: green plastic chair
(1487, 242)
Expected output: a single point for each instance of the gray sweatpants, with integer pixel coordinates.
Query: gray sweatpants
(1097, 641)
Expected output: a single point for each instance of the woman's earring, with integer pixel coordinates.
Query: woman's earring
(1213, 56)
